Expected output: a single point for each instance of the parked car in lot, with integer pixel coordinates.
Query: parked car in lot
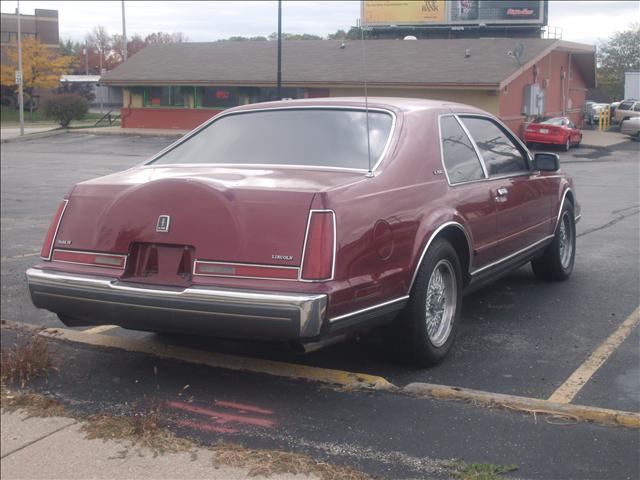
(627, 109)
(599, 109)
(631, 127)
(309, 220)
(553, 131)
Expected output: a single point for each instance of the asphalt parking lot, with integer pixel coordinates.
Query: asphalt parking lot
(519, 336)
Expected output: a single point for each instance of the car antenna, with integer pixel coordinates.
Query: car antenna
(366, 98)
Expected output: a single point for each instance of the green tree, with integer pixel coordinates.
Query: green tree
(41, 67)
(295, 36)
(618, 54)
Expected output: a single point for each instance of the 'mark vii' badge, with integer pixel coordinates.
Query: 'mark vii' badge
(163, 223)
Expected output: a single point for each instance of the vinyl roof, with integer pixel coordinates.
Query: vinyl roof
(455, 62)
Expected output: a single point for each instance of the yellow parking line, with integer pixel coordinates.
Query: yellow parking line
(100, 329)
(570, 388)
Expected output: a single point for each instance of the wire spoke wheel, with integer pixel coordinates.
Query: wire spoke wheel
(565, 240)
(441, 301)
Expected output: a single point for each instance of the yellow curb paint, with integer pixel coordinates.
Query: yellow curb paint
(101, 329)
(220, 360)
(570, 388)
(19, 257)
(525, 404)
(353, 380)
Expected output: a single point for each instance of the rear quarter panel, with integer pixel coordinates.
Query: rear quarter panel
(384, 222)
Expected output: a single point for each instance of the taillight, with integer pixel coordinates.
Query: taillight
(320, 245)
(240, 270)
(110, 260)
(47, 246)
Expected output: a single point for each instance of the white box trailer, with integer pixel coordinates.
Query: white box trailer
(632, 85)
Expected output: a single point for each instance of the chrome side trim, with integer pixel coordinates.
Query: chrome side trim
(426, 247)
(55, 234)
(564, 196)
(304, 246)
(504, 259)
(311, 307)
(206, 262)
(475, 146)
(364, 310)
(215, 118)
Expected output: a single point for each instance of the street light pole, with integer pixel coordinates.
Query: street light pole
(124, 35)
(19, 79)
(279, 82)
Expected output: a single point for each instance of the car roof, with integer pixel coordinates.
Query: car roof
(391, 103)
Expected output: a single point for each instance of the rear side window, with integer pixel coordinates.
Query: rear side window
(636, 108)
(500, 154)
(460, 159)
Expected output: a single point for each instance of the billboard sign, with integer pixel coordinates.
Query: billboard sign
(453, 12)
(406, 12)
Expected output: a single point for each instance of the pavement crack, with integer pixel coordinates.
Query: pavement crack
(619, 218)
(22, 447)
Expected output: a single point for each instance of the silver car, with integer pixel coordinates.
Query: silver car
(631, 127)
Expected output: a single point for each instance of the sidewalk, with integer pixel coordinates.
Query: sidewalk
(56, 447)
(117, 130)
(598, 139)
(12, 132)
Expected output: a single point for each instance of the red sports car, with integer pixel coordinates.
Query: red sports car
(309, 220)
(554, 131)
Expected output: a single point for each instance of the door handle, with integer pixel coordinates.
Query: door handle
(501, 194)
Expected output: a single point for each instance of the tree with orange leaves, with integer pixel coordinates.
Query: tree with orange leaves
(41, 67)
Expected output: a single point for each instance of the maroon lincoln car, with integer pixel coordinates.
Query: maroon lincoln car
(309, 220)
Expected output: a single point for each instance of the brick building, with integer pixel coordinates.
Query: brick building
(182, 85)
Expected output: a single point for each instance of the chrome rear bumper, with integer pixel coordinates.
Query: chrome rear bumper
(92, 300)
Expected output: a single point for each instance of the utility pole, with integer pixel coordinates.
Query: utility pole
(279, 83)
(19, 79)
(85, 52)
(124, 35)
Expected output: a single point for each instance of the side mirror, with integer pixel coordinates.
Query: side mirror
(546, 162)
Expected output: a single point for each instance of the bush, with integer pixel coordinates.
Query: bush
(65, 107)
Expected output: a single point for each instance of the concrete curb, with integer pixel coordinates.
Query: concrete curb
(225, 361)
(598, 415)
(36, 135)
(96, 131)
(347, 380)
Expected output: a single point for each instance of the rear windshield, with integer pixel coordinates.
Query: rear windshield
(555, 121)
(307, 137)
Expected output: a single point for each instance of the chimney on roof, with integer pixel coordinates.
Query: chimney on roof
(342, 45)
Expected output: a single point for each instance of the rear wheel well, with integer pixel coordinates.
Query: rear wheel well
(570, 197)
(457, 238)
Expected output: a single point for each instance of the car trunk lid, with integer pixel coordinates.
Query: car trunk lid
(165, 218)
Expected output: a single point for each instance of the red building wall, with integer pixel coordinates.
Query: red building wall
(173, 118)
(561, 82)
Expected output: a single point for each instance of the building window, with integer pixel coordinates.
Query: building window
(216, 97)
(169, 96)
(9, 37)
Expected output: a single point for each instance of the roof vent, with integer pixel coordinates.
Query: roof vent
(343, 46)
(410, 37)
(467, 53)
